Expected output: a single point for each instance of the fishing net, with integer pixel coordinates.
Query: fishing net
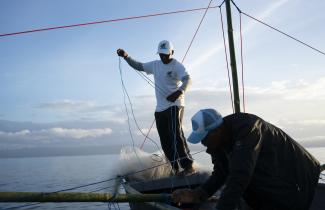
(140, 165)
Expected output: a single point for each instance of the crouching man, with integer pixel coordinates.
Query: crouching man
(253, 160)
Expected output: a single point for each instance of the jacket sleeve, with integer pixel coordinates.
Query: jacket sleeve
(242, 163)
(219, 174)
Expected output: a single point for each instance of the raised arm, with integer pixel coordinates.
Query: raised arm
(133, 63)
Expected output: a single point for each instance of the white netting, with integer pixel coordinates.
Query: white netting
(151, 165)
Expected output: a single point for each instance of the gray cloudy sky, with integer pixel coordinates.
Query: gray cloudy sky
(62, 87)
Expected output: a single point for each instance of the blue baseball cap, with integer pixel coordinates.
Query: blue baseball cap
(204, 121)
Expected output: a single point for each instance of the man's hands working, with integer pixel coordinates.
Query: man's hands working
(174, 96)
(186, 196)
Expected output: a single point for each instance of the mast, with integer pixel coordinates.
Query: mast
(232, 58)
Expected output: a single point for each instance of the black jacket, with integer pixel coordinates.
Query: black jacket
(262, 164)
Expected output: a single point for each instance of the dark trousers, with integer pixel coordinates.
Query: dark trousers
(173, 142)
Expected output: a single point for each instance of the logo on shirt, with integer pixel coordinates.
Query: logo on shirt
(169, 74)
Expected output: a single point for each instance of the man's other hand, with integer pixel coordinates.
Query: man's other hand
(174, 96)
(185, 196)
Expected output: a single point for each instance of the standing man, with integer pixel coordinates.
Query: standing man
(253, 159)
(171, 82)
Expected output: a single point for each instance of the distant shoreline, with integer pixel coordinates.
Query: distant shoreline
(60, 151)
(78, 151)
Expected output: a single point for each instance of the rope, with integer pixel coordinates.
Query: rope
(174, 123)
(153, 122)
(227, 62)
(99, 182)
(188, 48)
(197, 29)
(124, 94)
(291, 37)
(173, 127)
(103, 21)
(242, 60)
(132, 112)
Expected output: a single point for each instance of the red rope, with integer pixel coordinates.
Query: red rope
(197, 29)
(224, 42)
(103, 21)
(242, 60)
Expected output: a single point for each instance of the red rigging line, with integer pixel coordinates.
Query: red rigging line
(105, 21)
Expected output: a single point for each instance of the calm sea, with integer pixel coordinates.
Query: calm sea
(49, 174)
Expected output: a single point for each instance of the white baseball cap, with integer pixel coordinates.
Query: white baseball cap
(204, 121)
(165, 47)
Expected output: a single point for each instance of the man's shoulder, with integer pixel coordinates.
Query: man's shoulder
(176, 62)
(239, 120)
(154, 61)
(178, 66)
(241, 115)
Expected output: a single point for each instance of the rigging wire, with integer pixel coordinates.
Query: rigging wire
(197, 29)
(226, 56)
(242, 60)
(103, 21)
(278, 30)
(153, 122)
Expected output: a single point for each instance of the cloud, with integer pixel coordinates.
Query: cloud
(294, 106)
(83, 110)
(300, 90)
(66, 105)
(56, 133)
(78, 133)
(313, 141)
(21, 133)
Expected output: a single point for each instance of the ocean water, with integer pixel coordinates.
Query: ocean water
(49, 174)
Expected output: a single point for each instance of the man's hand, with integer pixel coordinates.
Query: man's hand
(185, 196)
(121, 53)
(174, 96)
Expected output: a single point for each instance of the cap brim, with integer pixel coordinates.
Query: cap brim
(166, 52)
(195, 137)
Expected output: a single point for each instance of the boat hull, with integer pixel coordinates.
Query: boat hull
(164, 186)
